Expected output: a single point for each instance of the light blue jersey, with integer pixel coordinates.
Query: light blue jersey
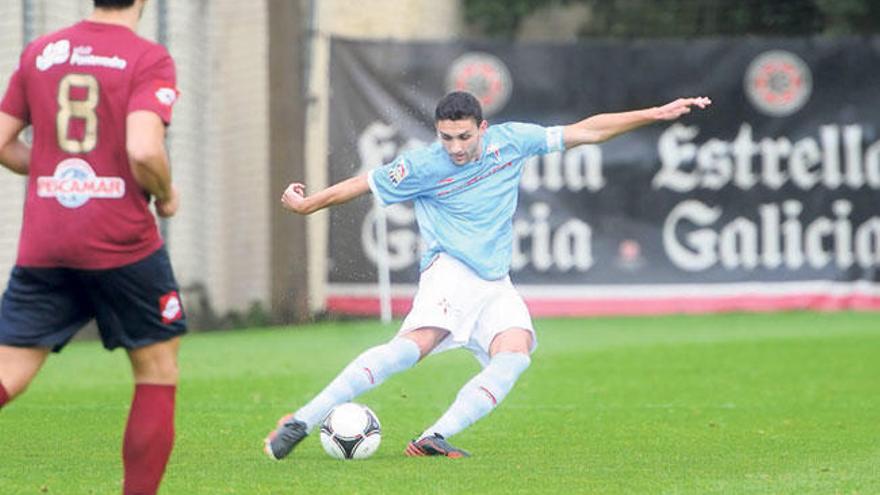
(467, 210)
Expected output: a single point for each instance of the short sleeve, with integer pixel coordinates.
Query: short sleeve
(15, 99)
(533, 139)
(154, 87)
(395, 182)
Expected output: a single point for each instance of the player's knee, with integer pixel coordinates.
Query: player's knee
(384, 360)
(18, 367)
(14, 387)
(426, 339)
(508, 366)
(515, 340)
(155, 363)
(158, 368)
(502, 373)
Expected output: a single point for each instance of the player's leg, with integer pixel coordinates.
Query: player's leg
(480, 395)
(41, 310)
(149, 432)
(18, 366)
(437, 309)
(367, 371)
(138, 308)
(504, 353)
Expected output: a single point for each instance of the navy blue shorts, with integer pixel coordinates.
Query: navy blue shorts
(134, 305)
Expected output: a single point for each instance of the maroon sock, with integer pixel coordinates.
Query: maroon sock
(4, 396)
(149, 437)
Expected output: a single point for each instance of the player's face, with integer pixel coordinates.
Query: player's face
(462, 139)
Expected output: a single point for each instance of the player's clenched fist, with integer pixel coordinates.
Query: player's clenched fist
(169, 207)
(294, 197)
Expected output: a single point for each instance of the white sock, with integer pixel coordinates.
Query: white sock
(367, 371)
(481, 394)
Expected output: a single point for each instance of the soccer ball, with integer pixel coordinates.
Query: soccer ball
(351, 431)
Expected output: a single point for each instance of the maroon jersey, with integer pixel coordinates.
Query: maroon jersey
(76, 87)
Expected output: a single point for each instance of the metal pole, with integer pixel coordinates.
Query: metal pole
(27, 35)
(382, 264)
(27, 24)
(309, 42)
(290, 254)
(162, 39)
(162, 18)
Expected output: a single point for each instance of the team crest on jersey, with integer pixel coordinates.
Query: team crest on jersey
(53, 54)
(166, 95)
(397, 173)
(75, 183)
(170, 307)
(493, 150)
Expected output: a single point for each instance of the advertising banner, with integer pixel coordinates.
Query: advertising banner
(769, 199)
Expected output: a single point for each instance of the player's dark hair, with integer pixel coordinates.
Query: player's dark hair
(113, 4)
(459, 105)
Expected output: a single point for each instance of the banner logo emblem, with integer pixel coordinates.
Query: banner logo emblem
(483, 75)
(629, 255)
(778, 83)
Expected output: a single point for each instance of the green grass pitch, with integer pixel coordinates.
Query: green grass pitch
(783, 403)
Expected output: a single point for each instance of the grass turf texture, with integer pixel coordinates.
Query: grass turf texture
(737, 403)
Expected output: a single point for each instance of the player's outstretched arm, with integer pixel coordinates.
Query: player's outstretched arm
(145, 145)
(14, 154)
(604, 126)
(295, 199)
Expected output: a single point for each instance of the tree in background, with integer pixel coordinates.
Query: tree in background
(684, 18)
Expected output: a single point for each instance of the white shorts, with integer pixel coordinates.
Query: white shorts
(452, 297)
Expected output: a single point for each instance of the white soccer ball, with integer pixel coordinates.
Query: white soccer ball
(351, 431)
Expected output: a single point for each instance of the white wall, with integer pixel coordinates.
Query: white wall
(219, 137)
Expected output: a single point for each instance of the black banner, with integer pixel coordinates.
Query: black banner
(768, 199)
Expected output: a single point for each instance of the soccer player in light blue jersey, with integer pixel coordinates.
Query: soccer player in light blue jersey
(465, 188)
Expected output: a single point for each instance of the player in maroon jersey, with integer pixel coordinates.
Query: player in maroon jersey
(98, 98)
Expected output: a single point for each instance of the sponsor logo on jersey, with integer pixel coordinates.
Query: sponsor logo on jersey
(170, 307)
(397, 173)
(166, 95)
(84, 56)
(59, 52)
(483, 75)
(53, 54)
(75, 183)
(473, 180)
(778, 83)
